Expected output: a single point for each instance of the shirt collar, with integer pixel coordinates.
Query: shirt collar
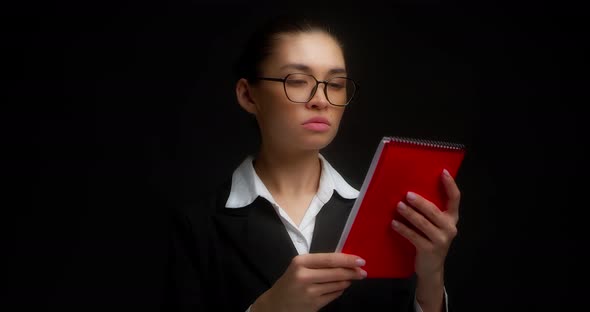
(246, 186)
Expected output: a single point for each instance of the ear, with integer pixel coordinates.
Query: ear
(244, 96)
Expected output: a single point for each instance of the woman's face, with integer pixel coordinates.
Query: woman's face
(288, 125)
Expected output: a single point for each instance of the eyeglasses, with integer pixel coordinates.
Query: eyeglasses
(300, 88)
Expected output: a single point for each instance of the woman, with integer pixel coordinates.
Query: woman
(265, 240)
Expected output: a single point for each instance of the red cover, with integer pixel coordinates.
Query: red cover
(399, 165)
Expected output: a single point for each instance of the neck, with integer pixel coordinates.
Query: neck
(288, 173)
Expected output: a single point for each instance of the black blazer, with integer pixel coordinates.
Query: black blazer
(223, 259)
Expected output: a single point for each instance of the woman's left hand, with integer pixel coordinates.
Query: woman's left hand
(439, 228)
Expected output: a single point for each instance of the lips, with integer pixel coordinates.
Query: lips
(317, 124)
(317, 120)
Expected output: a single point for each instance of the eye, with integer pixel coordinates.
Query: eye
(295, 82)
(336, 85)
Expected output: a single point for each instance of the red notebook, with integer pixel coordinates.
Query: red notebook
(399, 165)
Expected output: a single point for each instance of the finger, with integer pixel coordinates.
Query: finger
(328, 260)
(323, 300)
(416, 239)
(428, 209)
(453, 194)
(432, 232)
(327, 288)
(335, 274)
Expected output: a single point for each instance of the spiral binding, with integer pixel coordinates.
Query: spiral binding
(427, 143)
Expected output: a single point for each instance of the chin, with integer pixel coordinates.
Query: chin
(317, 142)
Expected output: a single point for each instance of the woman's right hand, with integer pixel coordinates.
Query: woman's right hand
(310, 282)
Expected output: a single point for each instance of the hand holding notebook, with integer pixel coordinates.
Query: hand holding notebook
(399, 166)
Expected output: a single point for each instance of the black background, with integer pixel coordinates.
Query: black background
(115, 111)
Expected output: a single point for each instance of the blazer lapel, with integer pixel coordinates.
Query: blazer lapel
(329, 224)
(258, 233)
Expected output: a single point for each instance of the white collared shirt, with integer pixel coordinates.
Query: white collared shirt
(246, 186)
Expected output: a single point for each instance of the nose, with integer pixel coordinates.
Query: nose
(318, 100)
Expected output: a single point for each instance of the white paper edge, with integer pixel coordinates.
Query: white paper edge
(362, 192)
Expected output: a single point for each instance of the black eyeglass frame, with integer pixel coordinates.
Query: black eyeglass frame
(315, 88)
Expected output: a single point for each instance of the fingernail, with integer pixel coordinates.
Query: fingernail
(394, 224)
(360, 262)
(411, 196)
(446, 173)
(363, 273)
(401, 206)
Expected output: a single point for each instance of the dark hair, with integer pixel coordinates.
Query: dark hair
(262, 41)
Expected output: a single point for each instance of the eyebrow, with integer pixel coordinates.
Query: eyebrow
(307, 69)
